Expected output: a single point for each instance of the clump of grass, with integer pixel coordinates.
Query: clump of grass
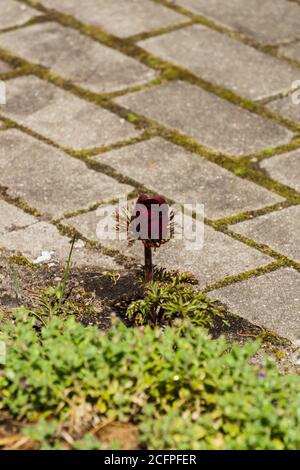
(54, 300)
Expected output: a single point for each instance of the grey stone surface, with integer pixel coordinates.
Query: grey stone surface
(286, 107)
(291, 50)
(62, 117)
(72, 55)
(121, 18)
(271, 301)
(284, 168)
(41, 242)
(4, 67)
(14, 13)
(279, 230)
(48, 179)
(269, 21)
(187, 178)
(221, 256)
(215, 122)
(224, 61)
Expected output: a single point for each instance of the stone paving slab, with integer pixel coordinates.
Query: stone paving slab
(271, 301)
(279, 230)
(62, 117)
(4, 67)
(72, 55)
(41, 242)
(286, 108)
(284, 168)
(269, 21)
(14, 13)
(50, 180)
(216, 123)
(187, 178)
(220, 257)
(291, 50)
(224, 61)
(122, 17)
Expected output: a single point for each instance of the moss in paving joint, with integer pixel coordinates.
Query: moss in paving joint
(4, 126)
(32, 21)
(249, 215)
(18, 202)
(258, 177)
(283, 94)
(21, 260)
(173, 6)
(159, 32)
(14, 61)
(269, 152)
(10, 124)
(241, 167)
(245, 276)
(146, 135)
(110, 171)
(17, 72)
(265, 249)
(70, 232)
(93, 207)
(271, 338)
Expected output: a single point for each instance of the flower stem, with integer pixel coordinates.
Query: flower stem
(148, 264)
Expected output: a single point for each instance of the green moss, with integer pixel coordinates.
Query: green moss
(16, 201)
(159, 32)
(133, 118)
(93, 207)
(249, 215)
(244, 276)
(271, 338)
(17, 72)
(283, 260)
(70, 231)
(146, 135)
(21, 261)
(272, 151)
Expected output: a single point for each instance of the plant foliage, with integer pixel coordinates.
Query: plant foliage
(182, 389)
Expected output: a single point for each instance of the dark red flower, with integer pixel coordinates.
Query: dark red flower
(150, 219)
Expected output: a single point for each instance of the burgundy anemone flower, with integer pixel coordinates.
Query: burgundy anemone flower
(150, 224)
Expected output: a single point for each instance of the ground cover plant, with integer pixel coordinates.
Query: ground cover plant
(178, 388)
